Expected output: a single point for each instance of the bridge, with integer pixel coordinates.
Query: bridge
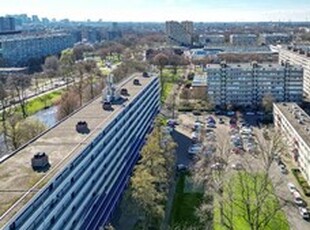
(88, 172)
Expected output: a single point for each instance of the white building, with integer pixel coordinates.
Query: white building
(301, 58)
(247, 84)
(294, 124)
(243, 39)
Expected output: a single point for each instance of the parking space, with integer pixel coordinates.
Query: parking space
(240, 132)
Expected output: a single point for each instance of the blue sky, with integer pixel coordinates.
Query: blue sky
(161, 10)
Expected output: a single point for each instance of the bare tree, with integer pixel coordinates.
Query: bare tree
(161, 60)
(66, 64)
(19, 84)
(267, 102)
(51, 67)
(68, 104)
(4, 103)
(247, 193)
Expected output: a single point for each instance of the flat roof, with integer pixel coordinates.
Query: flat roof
(62, 143)
(286, 109)
(250, 66)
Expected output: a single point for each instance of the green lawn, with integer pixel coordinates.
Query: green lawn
(169, 76)
(184, 205)
(166, 91)
(42, 102)
(278, 221)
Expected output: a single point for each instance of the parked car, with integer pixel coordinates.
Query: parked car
(250, 113)
(221, 121)
(304, 212)
(283, 169)
(230, 113)
(194, 149)
(217, 166)
(291, 187)
(237, 166)
(297, 199)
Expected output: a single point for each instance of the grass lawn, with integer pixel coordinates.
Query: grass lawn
(184, 205)
(237, 207)
(166, 91)
(42, 102)
(169, 76)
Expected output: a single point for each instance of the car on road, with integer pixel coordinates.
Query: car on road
(304, 212)
(291, 187)
(181, 168)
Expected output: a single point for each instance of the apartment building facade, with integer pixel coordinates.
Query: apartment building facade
(298, 57)
(243, 39)
(17, 50)
(275, 38)
(180, 34)
(212, 39)
(84, 194)
(294, 125)
(7, 24)
(247, 84)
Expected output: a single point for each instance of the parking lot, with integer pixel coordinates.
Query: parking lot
(241, 135)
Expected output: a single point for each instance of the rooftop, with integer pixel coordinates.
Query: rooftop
(298, 118)
(19, 182)
(249, 66)
(19, 37)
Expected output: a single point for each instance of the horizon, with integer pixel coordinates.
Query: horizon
(160, 11)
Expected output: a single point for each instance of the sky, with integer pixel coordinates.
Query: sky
(162, 10)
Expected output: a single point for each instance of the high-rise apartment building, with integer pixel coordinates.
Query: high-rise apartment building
(299, 57)
(247, 84)
(179, 33)
(7, 24)
(88, 172)
(17, 50)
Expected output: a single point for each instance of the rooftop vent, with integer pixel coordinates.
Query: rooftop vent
(39, 162)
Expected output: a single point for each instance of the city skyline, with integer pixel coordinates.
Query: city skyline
(162, 10)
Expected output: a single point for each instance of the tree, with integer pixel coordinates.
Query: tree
(29, 129)
(3, 101)
(51, 67)
(79, 50)
(247, 193)
(89, 68)
(161, 60)
(66, 64)
(67, 104)
(149, 184)
(13, 133)
(20, 131)
(19, 84)
(267, 102)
